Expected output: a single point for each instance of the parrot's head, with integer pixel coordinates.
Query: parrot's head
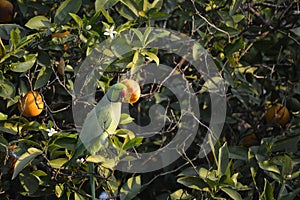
(117, 92)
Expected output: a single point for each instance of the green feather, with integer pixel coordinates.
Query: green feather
(100, 123)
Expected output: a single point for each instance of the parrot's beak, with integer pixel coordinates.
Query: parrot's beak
(123, 93)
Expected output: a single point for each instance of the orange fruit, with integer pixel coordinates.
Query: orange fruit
(6, 11)
(31, 104)
(250, 140)
(277, 114)
(133, 91)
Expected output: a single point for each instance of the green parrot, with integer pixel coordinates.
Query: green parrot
(101, 122)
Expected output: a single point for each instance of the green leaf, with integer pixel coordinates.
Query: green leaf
(223, 160)
(126, 119)
(238, 152)
(96, 159)
(132, 6)
(151, 56)
(29, 182)
(38, 22)
(179, 194)
(78, 196)
(287, 167)
(43, 77)
(131, 188)
(160, 16)
(288, 144)
(15, 37)
(235, 5)
(106, 4)
(129, 143)
(24, 66)
(107, 163)
(25, 159)
(62, 13)
(3, 116)
(139, 34)
(106, 15)
(266, 165)
(58, 163)
(77, 19)
(59, 189)
(5, 30)
(7, 89)
(290, 196)
(120, 46)
(126, 12)
(232, 193)
(2, 49)
(268, 193)
(193, 182)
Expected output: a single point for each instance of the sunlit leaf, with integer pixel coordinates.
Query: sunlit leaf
(25, 159)
(38, 22)
(62, 13)
(131, 188)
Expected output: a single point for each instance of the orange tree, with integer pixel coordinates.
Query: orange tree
(255, 45)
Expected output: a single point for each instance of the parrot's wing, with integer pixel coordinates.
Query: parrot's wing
(100, 122)
(94, 131)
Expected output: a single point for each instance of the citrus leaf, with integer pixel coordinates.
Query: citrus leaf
(77, 19)
(152, 56)
(193, 182)
(232, 193)
(58, 163)
(59, 189)
(106, 4)
(62, 14)
(106, 15)
(43, 77)
(131, 188)
(96, 159)
(268, 191)
(3, 116)
(25, 159)
(5, 30)
(266, 165)
(24, 66)
(223, 160)
(129, 143)
(38, 22)
(29, 182)
(7, 89)
(126, 119)
(2, 49)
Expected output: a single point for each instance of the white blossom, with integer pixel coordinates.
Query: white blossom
(110, 31)
(88, 27)
(80, 160)
(51, 131)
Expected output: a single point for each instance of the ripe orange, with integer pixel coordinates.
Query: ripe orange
(31, 104)
(133, 90)
(277, 114)
(250, 140)
(6, 11)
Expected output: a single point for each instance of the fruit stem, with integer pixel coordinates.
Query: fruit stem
(92, 182)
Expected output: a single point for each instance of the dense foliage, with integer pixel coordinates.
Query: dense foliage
(256, 47)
